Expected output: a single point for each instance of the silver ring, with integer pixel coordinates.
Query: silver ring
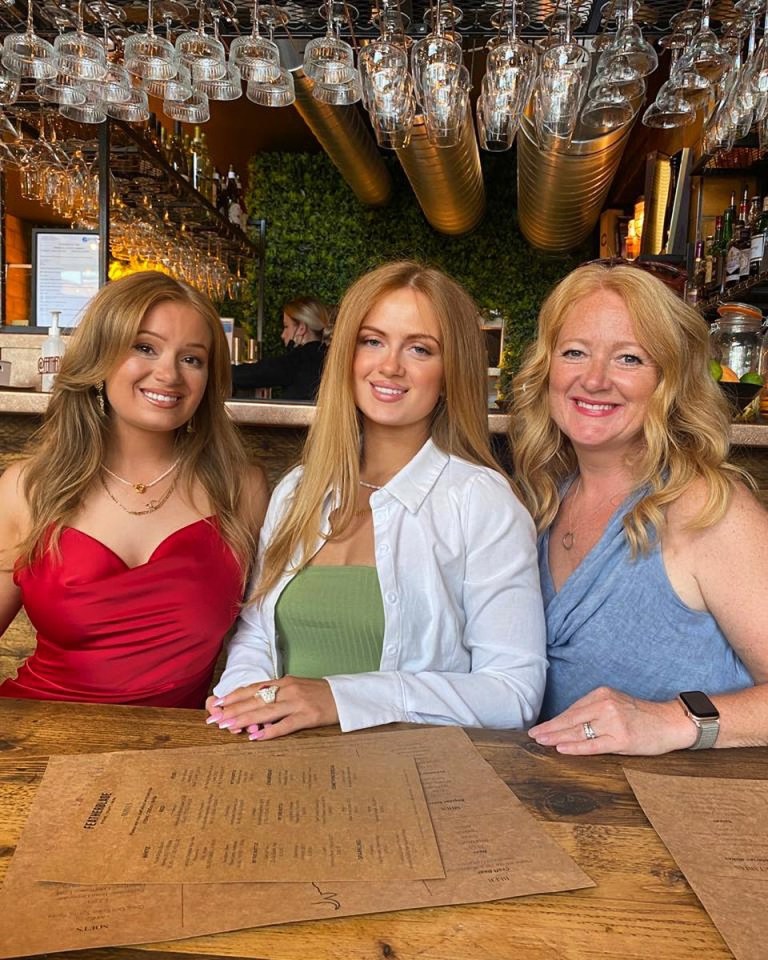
(589, 733)
(269, 694)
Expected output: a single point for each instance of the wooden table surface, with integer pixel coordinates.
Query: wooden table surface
(642, 906)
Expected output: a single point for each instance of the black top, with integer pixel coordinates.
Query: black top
(297, 371)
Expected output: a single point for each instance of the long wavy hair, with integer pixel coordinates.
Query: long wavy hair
(685, 430)
(331, 457)
(69, 449)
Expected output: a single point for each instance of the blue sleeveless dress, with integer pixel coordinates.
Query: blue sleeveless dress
(618, 622)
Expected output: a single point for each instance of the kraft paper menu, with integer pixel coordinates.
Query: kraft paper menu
(180, 816)
(717, 832)
(491, 849)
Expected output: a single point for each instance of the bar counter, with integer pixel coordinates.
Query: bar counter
(274, 413)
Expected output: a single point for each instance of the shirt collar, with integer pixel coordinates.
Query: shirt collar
(413, 483)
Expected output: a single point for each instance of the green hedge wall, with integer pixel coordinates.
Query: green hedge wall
(319, 239)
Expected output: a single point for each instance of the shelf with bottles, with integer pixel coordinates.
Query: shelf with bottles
(142, 173)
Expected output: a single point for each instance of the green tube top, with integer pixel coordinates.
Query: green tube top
(330, 620)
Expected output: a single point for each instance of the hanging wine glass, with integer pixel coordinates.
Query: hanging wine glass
(706, 54)
(80, 57)
(256, 58)
(279, 92)
(27, 54)
(329, 59)
(204, 55)
(560, 89)
(148, 56)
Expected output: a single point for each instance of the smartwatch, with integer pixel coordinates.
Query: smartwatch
(704, 714)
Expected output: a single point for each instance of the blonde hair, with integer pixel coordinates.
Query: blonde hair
(331, 457)
(311, 312)
(70, 447)
(685, 428)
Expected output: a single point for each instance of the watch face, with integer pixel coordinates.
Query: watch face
(699, 705)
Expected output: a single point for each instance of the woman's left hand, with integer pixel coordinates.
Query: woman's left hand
(620, 724)
(298, 705)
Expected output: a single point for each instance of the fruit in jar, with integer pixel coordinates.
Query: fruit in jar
(752, 376)
(728, 375)
(715, 370)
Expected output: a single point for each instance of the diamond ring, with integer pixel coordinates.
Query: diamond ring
(589, 733)
(269, 694)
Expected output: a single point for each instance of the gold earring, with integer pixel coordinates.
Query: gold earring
(190, 428)
(100, 398)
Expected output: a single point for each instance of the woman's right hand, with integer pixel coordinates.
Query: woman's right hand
(298, 704)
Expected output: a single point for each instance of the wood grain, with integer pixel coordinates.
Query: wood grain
(642, 906)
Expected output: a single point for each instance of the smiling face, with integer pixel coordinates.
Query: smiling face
(600, 378)
(160, 383)
(398, 363)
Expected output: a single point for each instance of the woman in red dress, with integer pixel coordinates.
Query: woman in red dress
(127, 533)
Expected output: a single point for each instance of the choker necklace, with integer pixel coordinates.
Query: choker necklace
(370, 486)
(151, 506)
(141, 487)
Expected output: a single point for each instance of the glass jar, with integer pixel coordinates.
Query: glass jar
(735, 338)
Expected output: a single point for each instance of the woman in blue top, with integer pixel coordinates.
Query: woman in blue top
(652, 550)
(398, 577)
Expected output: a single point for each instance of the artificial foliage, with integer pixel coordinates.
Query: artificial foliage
(319, 239)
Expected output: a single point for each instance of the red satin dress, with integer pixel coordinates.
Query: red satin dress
(146, 635)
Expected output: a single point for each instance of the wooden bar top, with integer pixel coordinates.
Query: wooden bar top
(641, 907)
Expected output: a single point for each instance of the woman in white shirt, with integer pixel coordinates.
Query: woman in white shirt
(397, 578)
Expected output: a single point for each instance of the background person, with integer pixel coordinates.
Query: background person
(127, 533)
(398, 576)
(620, 438)
(298, 370)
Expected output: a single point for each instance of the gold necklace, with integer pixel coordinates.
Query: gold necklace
(141, 487)
(151, 506)
(569, 538)
(369, 486)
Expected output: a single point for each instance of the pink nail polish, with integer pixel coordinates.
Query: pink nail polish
(219, 702)
(256, 736)
(224, 725)
(212, 720)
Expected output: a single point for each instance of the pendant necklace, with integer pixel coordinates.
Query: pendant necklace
(151, 506)
(568, 538)
(370, 486)
(141, 487)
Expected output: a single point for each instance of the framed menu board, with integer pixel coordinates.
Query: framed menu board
(66, 274)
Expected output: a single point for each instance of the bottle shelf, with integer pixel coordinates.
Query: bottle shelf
(739, 291)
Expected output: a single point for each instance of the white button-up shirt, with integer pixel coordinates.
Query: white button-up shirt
(464, 636)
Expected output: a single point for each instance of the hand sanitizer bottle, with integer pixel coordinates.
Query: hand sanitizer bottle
(51, 353)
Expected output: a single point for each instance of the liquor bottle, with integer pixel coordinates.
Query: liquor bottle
(717, 259)
(758, 246)
(745, 245)
(221, 193)
(731, 262)
(744, 206)
(197, 160)
(176, 156)
(234, 208)
(694, 287)
(51, 352)
(709, 264)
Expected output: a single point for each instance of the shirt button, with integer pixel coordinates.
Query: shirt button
(391, 648)
(391, 598)
(384, 548)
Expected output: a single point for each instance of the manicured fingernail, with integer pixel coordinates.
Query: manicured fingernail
(219, 702)
(212, 720)
(256, 736)
(225, 725)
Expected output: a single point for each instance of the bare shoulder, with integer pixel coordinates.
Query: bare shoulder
(12, 489)
(15, 516)
(742, 530)
(256, 495)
